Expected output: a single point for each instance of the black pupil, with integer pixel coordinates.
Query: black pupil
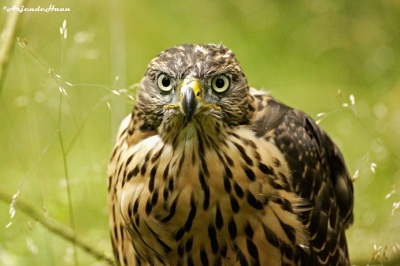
(220, 83)
(165, 81)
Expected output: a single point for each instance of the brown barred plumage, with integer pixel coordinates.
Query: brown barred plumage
(207, 171)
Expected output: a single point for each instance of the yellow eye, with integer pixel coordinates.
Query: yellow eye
(164, 82)
(220, 83)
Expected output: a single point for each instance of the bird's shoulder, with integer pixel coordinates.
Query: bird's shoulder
(318, 171)
(313, 158)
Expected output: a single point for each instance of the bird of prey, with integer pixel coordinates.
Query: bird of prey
(208, 171)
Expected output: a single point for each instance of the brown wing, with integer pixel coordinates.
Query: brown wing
(319, 176)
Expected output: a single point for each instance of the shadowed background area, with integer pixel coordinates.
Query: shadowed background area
(64, 95)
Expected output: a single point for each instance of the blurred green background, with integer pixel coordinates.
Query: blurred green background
(303, 52)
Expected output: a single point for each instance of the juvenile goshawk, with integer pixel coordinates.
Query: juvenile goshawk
(207, 171)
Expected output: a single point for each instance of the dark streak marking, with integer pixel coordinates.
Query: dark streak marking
(143, 169)
(129, 176)
(165, 175)
(227, 185)
(234, 204)
(124, 179)
(116, 233)
(152, 177)
(113, 153)
(157, 154)
(154, 198)
(192, 214)
(228, 172)
(136, 205)
(135, 171)
(266, 169)
(287, 250)
(206, 190)
(146, 160)
(249, 231)
(138, 261)
(137, 219)
(203, 257)
(235, 135)
(171, 185)
(271, 236)
(149, 207)
(252, 249)
(216, 149)
(219, 221)
(243, 153)
(178, 236)
(181, 163)
(129, 160)
(119, 170)
(190, 261)
(223, 251)
(180, 250)
(238, 190)
(129, 211)
(276, 185)
(290, 232)
(171, 210)
(242, 258)
(252, 144)
(251, 108)
(232, 229)
(212, 233)
(204, 166)
(189, 244)
(229, 160)
(285, 204)
(256, 204)
(250, 174)
(193, 158)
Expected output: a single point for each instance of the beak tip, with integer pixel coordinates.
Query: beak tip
(189, 104)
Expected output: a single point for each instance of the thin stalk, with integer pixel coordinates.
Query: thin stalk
(58, 229)
(65, 163)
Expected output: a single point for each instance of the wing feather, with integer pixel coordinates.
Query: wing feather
(319, 175)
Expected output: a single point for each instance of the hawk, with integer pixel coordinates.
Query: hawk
(208, 171)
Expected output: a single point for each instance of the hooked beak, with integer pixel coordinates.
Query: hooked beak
(190, 98)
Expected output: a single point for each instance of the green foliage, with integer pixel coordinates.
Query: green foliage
(63, 98)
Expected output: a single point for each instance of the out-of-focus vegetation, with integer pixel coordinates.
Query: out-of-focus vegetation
(56, 138)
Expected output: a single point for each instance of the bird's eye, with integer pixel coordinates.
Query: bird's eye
(220, 83)
(164, 82)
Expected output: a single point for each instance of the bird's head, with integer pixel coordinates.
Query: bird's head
(191, 82)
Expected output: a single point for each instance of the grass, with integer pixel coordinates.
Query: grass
(65, 92)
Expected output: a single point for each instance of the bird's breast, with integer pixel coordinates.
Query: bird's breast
(201, 195)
